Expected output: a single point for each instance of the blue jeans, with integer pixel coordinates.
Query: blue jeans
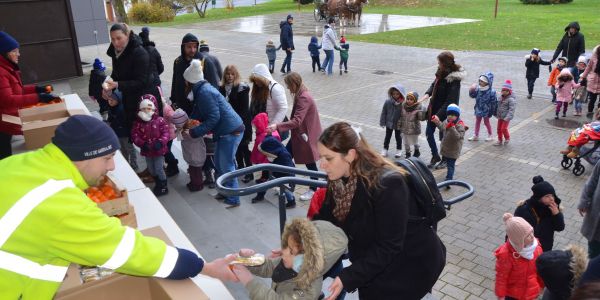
(430, 132)
(287, 62)
(328, 62)
(450, 163)
(155, 167)
(225, 149)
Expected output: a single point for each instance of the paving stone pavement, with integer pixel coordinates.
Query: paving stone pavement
(501, 175)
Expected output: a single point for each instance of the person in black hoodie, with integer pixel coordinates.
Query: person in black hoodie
(189, 50)
(572, 45)
(97, 77)
(532, 63)
(542, 211)
(156, 64)
(286, 38)
(561, 270)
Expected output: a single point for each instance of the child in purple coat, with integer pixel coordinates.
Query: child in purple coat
(151, 133)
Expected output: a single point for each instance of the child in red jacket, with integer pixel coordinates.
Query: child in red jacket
(516, 275)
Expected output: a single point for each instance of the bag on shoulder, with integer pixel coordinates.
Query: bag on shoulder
(423, 185)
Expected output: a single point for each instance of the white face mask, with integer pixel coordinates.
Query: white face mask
(190, 96)
(145, 116)
(484, 88)
(528, 251)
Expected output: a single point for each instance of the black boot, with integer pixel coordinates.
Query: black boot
(417, 152)
(172, 169)
(160, 188)
(407, 154)
(247, 178)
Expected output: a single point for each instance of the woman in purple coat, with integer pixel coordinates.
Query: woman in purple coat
(305, 127)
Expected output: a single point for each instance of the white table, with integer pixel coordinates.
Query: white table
(148, 209)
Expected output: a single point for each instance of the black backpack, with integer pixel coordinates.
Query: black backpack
(423, 185)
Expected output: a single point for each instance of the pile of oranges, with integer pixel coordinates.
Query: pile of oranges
(54, 101)
(104, 192)
(191, 123)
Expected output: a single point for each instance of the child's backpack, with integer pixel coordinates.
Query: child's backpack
(422, 184)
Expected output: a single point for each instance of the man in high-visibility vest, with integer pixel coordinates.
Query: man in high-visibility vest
(48, 222)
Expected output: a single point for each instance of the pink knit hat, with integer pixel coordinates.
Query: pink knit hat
(517, 230)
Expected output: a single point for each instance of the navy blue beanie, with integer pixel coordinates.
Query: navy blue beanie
(83, 137)
(7, 43)
(289, 17)
(271, 145)
(99, 65)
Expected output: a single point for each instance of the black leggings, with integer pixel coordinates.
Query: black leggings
(316, 61)
(388, 137)
(591, 101)
(242, 156)
(5, 147)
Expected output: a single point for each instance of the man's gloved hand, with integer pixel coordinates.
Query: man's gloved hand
(146, 147)
(45, 98)
(157, 145)
(44, 89)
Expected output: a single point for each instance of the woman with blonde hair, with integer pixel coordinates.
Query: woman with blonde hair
(305, 127)
(237, 93)
(394, 251)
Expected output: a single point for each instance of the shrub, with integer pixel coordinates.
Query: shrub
(546, 1)
(143, 12)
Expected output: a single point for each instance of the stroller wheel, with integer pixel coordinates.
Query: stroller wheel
(566, 162)
(578, 169)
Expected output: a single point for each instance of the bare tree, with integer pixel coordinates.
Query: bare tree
(119, 9)
(199, 5)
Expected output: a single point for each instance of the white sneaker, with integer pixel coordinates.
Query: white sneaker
(489, 138)
(474, 138)
(498, 143)
(307, 196)
(398, 154)
(384, 152)
(506, 142)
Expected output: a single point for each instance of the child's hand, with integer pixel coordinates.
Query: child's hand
(423, 98)
(275, 253)
(554, 208)
(246, 252)
(242, 273)
(271, 128)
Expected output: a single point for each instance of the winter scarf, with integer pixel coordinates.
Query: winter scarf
(343, 194)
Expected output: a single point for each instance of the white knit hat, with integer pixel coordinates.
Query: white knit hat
(193, 73)
(146, 103)
(582, 59)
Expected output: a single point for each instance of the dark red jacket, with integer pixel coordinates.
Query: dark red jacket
(13, 95)
(516, 276)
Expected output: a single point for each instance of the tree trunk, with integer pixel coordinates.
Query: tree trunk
(120, 13)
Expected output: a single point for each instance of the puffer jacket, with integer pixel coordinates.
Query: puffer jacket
(540, 217)
(454, 136)
(533, 67)
(561, 270)
(516, 276)
(13, 95)
(554, 75)
(444, 92)
(277, 102)
(392, 109)
(260, 122)
(157, 129)
(313, 47)
(506, 107)
(286, 37)
(410, 123)
(593, 78)
(485, 101)
(216, 113)
(274, 146)
(168, 114)
(329, 38)
(323, 245)
(565, 93)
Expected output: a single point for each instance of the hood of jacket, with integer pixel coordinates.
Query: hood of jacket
(400, 88)
(263, 71)
(283, 24)
(314, 40)
(456, 75)
(153, 99)
(273, 146)
(188, 38)
(490, 78)
(323, 243)
(261, 121)
(561, 270)
(134, 41)
(573, 25)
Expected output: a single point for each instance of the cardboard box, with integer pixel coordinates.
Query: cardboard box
(129, 219)
(119, 286)
(38, 123)
(118, 206)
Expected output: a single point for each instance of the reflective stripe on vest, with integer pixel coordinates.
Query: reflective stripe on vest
(14, 217)
(123, 250)
(168, 263)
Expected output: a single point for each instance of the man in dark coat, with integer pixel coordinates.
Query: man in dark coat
(572, 45)
(156, 64)
(189, 51)
(286, 37)
(204, 50)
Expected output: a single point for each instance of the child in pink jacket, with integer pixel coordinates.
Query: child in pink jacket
(564, 91)
(260, 123)
(151, 133)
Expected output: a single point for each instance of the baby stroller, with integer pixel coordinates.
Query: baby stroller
(589, 153)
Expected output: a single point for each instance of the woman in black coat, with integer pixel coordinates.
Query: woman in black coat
(542, 211)
(156, 64)
(237, 94)
(131, 65)
(367, 196)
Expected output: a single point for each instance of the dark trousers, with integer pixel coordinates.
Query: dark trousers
(593, 249)
(316, 61)
(311, 166)
(287, 62)
(5, 147)
(530, 85)
(553, 93)
(591, 101)
(344, 61)
(242, 156)
(430, 133)
(450, 164)
(169, 157)
(388, 137)
(271, 66)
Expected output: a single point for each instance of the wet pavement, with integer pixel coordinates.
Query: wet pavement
(305, 24)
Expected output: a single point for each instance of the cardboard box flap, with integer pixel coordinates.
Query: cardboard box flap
(30, 111)
(11, 119)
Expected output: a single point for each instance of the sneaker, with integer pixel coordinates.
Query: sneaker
(345, 71)
(307, 196)
(448, 187)
(441, 165)
(291, 204)
(474, 138)
(506, 142)
(564, 115)
(489, 138)
(498, 143)
(529, 96)
(556, 118)
(282, 71)
(434, 160)
(340, 72)
(398, 154)
(384, 152)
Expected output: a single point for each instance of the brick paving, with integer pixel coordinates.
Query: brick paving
(501, 175)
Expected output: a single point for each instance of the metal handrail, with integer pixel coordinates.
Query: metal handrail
(470, 191)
